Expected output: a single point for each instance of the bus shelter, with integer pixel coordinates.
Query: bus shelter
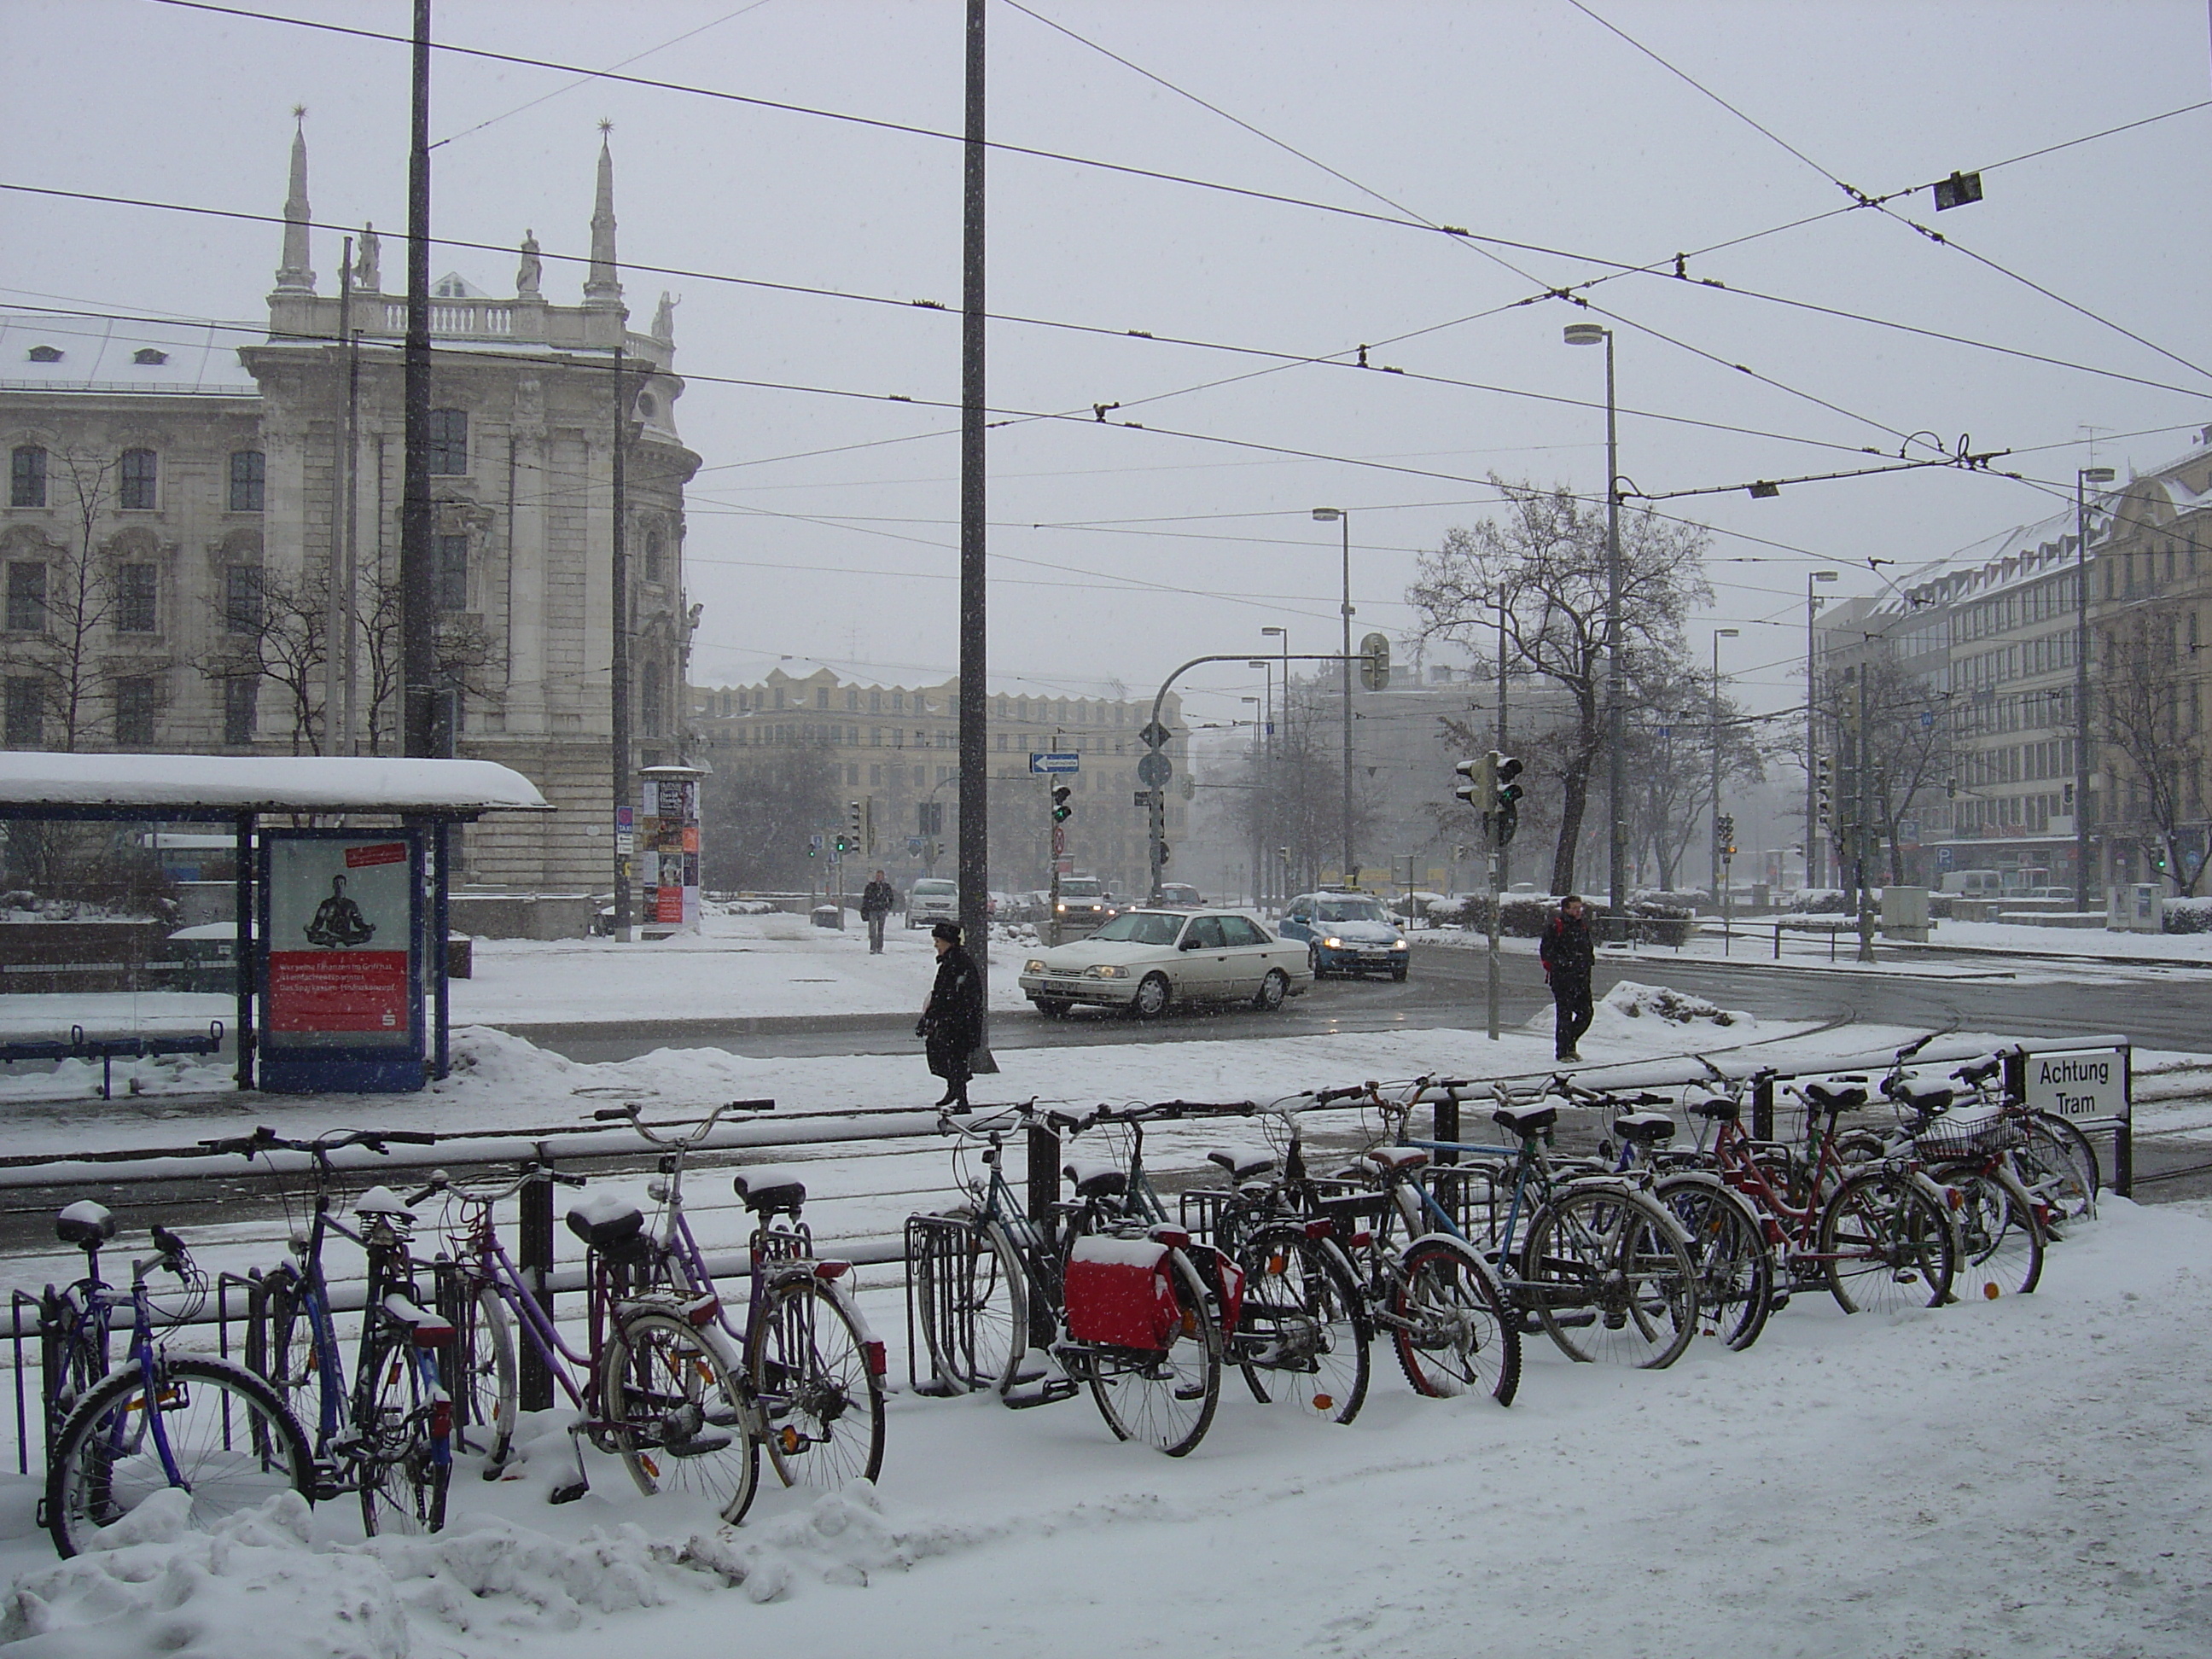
(343, 867)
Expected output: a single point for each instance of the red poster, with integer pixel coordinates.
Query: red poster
(337, 991)
(389, 852)
(668, 904)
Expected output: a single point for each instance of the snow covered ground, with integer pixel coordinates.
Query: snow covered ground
(2023, 1477)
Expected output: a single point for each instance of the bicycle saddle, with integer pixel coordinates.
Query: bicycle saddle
(1095, 1178)
(1923, 1095)
(765, 1192)
(381, 1201)
(607, 1223)
(1717, 1109)
(1836, 1096)
(1243, 1166)
(1532, 1118)
(1645, 1127)
(85, 1224)
(1388, 1158)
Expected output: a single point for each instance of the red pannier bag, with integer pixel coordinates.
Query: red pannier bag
(1220, 1274)
(1121, 1291)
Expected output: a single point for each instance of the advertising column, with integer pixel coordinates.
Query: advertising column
(341, 961)
(668, 848)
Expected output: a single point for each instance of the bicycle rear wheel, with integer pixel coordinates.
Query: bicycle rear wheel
(1611, 1280)
(1735, 1271)
(816, 1383)
(1165, 1398)
(2000, 1238)
(230, 1438)
(402, 1438)
(670, 1392)
(1886, 1243)
(1303, 1323)
(1455, 1331)
(2058, 1164)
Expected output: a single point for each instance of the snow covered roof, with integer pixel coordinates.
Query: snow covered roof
(182, 785)
(62, 353)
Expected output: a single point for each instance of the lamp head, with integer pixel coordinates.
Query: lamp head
(2097, 475)
(1583, 334)
(1276, 632)
(1727, 633)
(1328, 514)
(1824, 576)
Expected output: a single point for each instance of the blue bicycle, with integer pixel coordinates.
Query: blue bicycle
(159, 1422)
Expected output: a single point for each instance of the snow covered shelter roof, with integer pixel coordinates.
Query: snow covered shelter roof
(37, 784)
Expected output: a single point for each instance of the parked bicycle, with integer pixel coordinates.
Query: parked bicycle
(654, 1383)
(389, 1437)
(158, 1421)
(812, 1370)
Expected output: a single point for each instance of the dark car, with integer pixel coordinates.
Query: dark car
(1346, 933)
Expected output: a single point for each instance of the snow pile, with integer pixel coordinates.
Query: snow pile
(1658, 1004)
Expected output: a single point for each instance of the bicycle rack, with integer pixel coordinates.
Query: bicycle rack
(937, 1256)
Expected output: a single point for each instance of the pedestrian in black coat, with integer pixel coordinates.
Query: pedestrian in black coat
(951, 1022)
(1569, 954)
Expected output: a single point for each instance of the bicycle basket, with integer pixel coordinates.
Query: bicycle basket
(1120, 1292)
(1955, 1137)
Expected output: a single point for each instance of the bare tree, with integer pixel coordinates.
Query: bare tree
(1547, 563)
(1670, 758)
(464, 655)
(78, 602)
(1289, 803)
(2152, 715)
(758, 816)
(1907, 741)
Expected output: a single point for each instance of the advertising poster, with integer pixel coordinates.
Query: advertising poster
(668, 850)
(340, 933)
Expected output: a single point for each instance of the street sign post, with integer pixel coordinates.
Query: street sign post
(1153, 735)
(1054, 761)
(1153, 771)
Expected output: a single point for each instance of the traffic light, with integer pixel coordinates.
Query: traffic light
(1060, 809)
(1724, 833)
(1505, 810)
(1164, 856)
(868, 826)
(1481, 775)
(1824, 780)
(851, 843)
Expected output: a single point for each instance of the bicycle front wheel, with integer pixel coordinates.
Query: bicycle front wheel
(402, 1447)
(974, 1311)
(1304, 1330)
(1454, 1332)
(815, 1386)
(1887, 1243)
(2000, 1238)
(1611, 1279)
(2059, 1165)
(1166, 1397)
(669, 1391)
(479, 1370)
(207, 1427)
(1728, 1246)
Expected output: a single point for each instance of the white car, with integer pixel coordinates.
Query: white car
(933, 899)
(1145, 960)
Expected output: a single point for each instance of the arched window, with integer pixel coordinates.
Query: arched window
(656, 552)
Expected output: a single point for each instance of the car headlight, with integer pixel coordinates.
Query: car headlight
(1333, 944)
(1035, 965)
(1400, 944)
(1105, 970)
(1062, 908)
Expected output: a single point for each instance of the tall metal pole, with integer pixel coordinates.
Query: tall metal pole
(1345, 868)
(1616, 689)
(1501, 876)
(1713, 736)
(349, 640)
(418, 609)
(619, 664)
(2083, 476)
(336, 598)
(1862, 799)
(1811, 746)
(975, 804)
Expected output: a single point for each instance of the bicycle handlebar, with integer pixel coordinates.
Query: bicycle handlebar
(440, 1182)
(266, 1139)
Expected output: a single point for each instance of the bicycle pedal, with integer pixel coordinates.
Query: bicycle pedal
(1055, 1390)
(699, 1446)
(569, 1493)
(41, 1513)
(1777, 1302)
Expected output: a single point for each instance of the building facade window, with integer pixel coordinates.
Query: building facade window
(26, 599)
(239, 699)
(136, 488)
(249, 472)
(134, 712)
(27, 714)
(242, 599)
(449, 440)
(656, 554)
(648, 701)
(875, 702)
(821, 696)
(451, 566)
(137, 595)
(26, 477)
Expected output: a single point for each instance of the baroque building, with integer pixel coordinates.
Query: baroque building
(192, 517)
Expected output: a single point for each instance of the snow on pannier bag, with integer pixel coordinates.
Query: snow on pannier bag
(1120, 1291)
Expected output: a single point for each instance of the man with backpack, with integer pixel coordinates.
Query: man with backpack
(1569, 955)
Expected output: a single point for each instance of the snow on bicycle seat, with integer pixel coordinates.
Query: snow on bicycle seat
(1243, 1166)
(1388, 1158)
(429, 1331)
(1644, 1126)
(1714, 1109)
(1836, 1096)
(606, 1221)
(85, 1223)
(381, 1201)
(1532, 1118)
(766, 1192)
(1094, 1177)
(1925, 1095)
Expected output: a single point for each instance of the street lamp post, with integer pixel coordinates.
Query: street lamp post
(1258, 718)
(2084, 477)
(1275, 752)
(1263, 753)
(1338, 515)
(1617, 771)
(1812, 731)
(1719, 634)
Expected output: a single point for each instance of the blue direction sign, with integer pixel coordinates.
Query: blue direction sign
(1054, 761)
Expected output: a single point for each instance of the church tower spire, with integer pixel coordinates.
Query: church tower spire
(293, 276)
(602, 285)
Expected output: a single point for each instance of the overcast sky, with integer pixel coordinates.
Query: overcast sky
(1117, 552)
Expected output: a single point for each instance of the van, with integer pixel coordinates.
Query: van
(1974, 884)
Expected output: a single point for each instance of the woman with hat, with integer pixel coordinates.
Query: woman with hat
(951, 1022)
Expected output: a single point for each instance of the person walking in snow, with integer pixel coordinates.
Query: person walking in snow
(951, 1022)
(1569, 954)
(876, 900)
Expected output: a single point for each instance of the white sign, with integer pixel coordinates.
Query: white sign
(2088, 1083)
(1055, 760)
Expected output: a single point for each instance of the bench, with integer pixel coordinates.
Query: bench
(1831, 925)
(107, 1050)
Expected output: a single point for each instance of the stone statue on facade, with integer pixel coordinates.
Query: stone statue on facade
(528, 276)
(664, 319)
(366, 276)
